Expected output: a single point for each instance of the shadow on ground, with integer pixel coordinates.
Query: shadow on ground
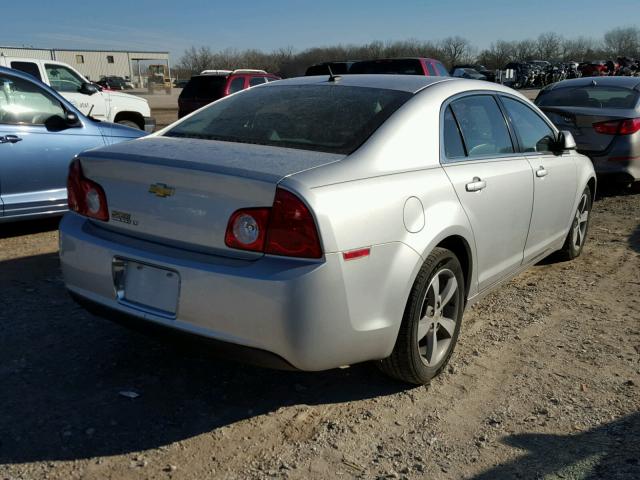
(609, 451)
(16, 229)
(61, 372)
(634, 239)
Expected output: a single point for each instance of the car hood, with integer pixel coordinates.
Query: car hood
(117, 132)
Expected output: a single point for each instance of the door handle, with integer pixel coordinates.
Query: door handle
(10, 139)
(541, 172)
(476, 185)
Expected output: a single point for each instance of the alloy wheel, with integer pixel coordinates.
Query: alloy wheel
(438, 317)
(580, 221)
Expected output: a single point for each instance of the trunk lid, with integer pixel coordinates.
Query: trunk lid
(579, 121)
(182, 192)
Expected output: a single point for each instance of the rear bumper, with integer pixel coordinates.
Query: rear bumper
(623, 166)
(313, 315)
(149, 124)
(227, 350)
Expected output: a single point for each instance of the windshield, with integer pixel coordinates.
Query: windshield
(329, 118)
(590, 97)
(206, 87)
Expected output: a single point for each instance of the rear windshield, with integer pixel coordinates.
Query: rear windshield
(328, 118)
(206, 87)
(589, 96)
(397, 67)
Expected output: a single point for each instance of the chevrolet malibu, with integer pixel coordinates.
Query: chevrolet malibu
(319, 222)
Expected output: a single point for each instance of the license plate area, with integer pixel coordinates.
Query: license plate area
(146, 287)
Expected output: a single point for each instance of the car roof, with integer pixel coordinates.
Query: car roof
(622, 82)
(405, 83)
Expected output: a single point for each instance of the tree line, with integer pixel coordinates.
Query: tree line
(454, 50)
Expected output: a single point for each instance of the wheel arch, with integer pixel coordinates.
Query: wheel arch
(592, 183)
(461, 248)
(134, 117)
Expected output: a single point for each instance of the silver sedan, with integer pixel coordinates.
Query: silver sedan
(318, 222)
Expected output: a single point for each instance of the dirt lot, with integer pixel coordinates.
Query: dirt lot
(545, 383)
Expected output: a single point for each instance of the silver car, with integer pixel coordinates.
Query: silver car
(318, 222)
(603, 114)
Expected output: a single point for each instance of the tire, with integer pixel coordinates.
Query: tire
(129, 123)
(577, 236)
(414, 358)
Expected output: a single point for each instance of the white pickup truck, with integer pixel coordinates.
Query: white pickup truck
(87, 97)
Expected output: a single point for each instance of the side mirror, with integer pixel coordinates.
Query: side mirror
(88, 88)
(566, 141)
(71, 119)
(56, 123)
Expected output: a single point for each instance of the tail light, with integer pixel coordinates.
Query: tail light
(618, 127)
(287, 228)
(85, 196)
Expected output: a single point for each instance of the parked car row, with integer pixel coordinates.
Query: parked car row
(88, 98)
(319, 221)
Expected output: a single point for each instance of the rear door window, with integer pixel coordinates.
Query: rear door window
(453, 146)
(533, 132)
(483, 126)
(28, 67)
(236, 85)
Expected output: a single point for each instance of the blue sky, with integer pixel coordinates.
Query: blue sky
(174, 25)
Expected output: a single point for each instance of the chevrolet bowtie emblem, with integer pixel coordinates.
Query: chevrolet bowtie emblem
(161, 190)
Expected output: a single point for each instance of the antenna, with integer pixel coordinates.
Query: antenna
(332, 77)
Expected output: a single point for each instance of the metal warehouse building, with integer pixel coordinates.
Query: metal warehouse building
(95, 64)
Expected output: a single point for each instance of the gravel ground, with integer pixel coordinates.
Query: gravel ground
(545, 383)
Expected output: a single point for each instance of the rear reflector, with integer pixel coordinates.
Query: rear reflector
(618, 127)
(354, 254)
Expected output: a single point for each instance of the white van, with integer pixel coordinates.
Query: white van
(85, 96)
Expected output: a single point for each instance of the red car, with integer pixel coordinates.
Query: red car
(599, 68)
(401, 66)
(212, 85)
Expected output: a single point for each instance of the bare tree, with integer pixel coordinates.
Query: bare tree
(549, 46)
(623, 42)
(497, 55)
(454, 50)
(524, 50)
(194, 60)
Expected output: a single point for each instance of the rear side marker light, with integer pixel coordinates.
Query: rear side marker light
(355, 254)
(618, 127)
